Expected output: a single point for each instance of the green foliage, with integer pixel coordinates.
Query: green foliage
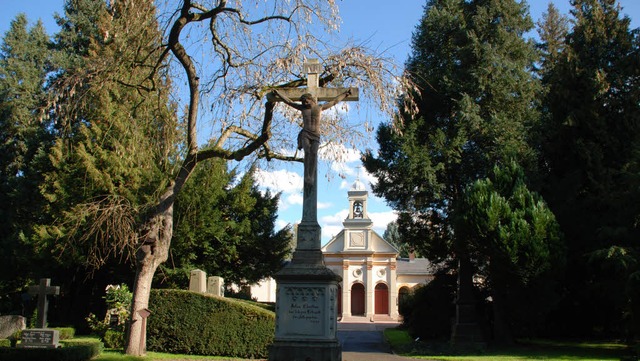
(115, 131)
(113, 339)
(473, 67)
(5, 342)
(118, 300)
(24, 64)
(81, 351)
(516, 240)
(205, 325)
(65, 333)
(392, 235)
(510, 225)
(427, 311)
(591, 150)
(225, 227)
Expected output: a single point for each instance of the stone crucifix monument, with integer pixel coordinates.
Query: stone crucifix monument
(307, 291)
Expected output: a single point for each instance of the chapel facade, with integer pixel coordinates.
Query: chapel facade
(374, 278)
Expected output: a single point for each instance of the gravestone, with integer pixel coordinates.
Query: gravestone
(114, 318)
(42, 291)
(215, 286)
(306, 293)
(40, 338)
(198, 281)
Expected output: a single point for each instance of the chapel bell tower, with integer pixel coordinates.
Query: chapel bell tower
(357, 226)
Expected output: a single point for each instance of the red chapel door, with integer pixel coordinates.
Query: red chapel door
(382, 299)
(357, 299)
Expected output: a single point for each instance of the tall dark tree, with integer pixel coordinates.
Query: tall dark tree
(553, 30)
(476, 108)
(225, 227)
(25, 60)
(592, 157)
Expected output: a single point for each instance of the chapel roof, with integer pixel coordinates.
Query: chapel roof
(418, 266)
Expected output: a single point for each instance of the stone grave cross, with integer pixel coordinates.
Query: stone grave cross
(309, 139)
(42, 290)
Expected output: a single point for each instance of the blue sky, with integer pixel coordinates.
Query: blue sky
(384, 27)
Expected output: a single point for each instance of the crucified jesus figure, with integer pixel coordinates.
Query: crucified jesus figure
(309, 136)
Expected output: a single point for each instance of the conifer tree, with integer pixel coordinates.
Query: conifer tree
(25, 59)
(225, 227)
(591, 152)
(476, 108)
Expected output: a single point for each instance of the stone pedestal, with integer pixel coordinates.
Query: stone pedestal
(215, 286)
(198, 281)
(466, 332)
(306, 310)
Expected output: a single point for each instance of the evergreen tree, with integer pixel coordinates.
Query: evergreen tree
(519, 238)
(477, 105)
(225, 228)
(553, 30)
(24, 65)
(592, 156)
(113, 126)
(392, 235)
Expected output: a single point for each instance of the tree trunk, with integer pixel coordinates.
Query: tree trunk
(153, 251)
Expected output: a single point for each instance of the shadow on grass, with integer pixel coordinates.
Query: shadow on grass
(522, 350)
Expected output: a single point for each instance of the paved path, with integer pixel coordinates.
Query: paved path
(365, 342)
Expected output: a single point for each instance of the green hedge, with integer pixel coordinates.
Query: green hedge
(66, 333)
(70, 352)
(191, 323)
(5, 342)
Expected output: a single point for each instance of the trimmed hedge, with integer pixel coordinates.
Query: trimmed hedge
(66, 333)
(192, 323)
(80, 351)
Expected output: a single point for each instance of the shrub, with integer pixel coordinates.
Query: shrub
(5, 342)
(66, 333)
(113, 339)
(80, 351)
(207, 325)
(118, 300)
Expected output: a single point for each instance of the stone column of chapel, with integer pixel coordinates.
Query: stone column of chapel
(393, 291)
(346, 290)
(370, 295)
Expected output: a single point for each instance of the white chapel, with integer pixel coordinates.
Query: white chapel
(374, 278)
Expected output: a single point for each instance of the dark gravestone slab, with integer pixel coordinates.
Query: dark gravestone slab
(40, 338)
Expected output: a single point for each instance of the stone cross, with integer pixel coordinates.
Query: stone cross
(309, 230)
(42, 291)
(313, 69)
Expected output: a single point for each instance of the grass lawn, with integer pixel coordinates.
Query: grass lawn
(110, 355)
(525, 350)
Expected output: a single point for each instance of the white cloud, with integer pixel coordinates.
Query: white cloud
(382, 219)
(294, 198)
(280, 224)
(279, 180)
(329, 232)
(324, 205)
(338, 152)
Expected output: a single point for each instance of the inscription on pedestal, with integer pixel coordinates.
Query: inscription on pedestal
(303, 311)
(40, 338)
